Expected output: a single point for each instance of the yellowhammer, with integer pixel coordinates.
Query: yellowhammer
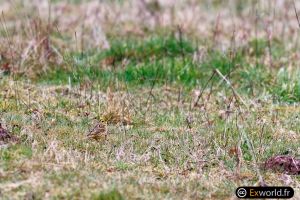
(99, 131)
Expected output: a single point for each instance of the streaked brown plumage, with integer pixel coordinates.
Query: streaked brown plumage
(98, 132)
(6, 137)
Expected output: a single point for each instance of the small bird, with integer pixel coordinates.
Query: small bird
(99, 131)
(6, 137)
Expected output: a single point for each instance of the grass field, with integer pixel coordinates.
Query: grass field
(197, 95)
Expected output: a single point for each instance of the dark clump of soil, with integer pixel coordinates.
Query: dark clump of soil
(284, 163)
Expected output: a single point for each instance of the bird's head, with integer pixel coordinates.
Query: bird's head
(103, 120)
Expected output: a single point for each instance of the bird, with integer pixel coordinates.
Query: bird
(5, 136)
(99, 131)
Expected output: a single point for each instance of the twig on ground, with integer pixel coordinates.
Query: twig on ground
(232, 88)
(205, 86)
(297, 16)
